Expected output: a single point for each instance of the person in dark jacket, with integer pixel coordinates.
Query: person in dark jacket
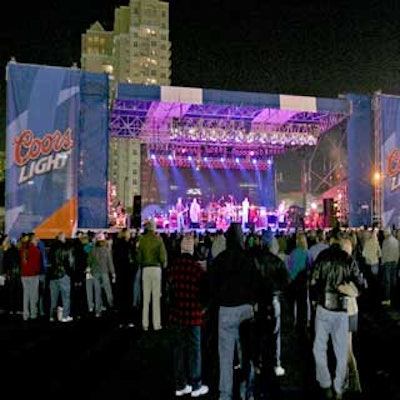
(261, 340)
(61, 262)
(234, 283)
(333, 268)
(78, 276)
(12, 269)
(123, 251)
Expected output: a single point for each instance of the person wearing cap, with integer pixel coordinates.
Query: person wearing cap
(101, 266)
(151, 257)
(184, 278)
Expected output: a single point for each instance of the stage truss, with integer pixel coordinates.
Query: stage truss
(218, 135)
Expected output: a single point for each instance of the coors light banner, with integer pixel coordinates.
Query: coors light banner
(390, 106)
(43, 147)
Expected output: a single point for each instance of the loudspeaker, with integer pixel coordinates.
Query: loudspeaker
(137, 211)
(329, 212)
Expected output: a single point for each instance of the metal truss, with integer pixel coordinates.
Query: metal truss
(206, 126)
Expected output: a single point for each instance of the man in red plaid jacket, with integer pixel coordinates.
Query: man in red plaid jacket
(185, 276)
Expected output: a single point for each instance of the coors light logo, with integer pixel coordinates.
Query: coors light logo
(37, 156)
(393, 169)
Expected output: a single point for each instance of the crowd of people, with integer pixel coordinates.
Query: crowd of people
(220, 290)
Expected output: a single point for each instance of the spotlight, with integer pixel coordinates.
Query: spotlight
(237, 160)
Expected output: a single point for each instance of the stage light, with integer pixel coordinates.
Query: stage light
(190, 158)
(153, 156)
(254, 161)
(237, 160)
(170, 157)
(222, 159)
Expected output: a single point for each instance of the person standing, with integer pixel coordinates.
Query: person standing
(185, 277)
(101, 267)
(30, 270)
(245, 212)
(180, 209)
(151, 258)
(61, 264)
(78, 277)
(372, 254)
(234, 285)
(333, 268)
(352, 290)
(298, 265)
(194, 214)
(12, 269)
(390, 261)
(123, 252)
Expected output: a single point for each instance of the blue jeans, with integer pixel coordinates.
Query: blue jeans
(230, 319)
(389, 280)
(187, 357)
(63, 286)
(334, 324)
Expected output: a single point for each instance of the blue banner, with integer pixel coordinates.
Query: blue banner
(359, 161)
(390, 155)
(56, 147)
(42, 124)
(93, 146)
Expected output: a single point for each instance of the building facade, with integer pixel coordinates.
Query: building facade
(138, 50)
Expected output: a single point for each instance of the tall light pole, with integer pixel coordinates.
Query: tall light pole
(377, 181)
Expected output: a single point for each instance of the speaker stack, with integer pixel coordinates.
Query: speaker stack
(137, 212)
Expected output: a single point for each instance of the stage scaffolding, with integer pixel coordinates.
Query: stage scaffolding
(244, 133)
(378, 166)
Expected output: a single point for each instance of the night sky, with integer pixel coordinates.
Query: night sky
(319, 48)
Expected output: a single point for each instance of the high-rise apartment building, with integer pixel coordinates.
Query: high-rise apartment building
(138, 50)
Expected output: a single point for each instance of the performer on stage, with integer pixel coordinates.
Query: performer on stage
(180, 209)
(194, 214)
(281, 213)
(245, 212)
(230, 209)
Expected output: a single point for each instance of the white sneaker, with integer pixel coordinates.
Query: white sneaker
(67, 319)
(186, 390)
(279, 371)
(203, 389)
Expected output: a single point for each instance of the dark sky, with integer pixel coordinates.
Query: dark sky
(320, 48)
